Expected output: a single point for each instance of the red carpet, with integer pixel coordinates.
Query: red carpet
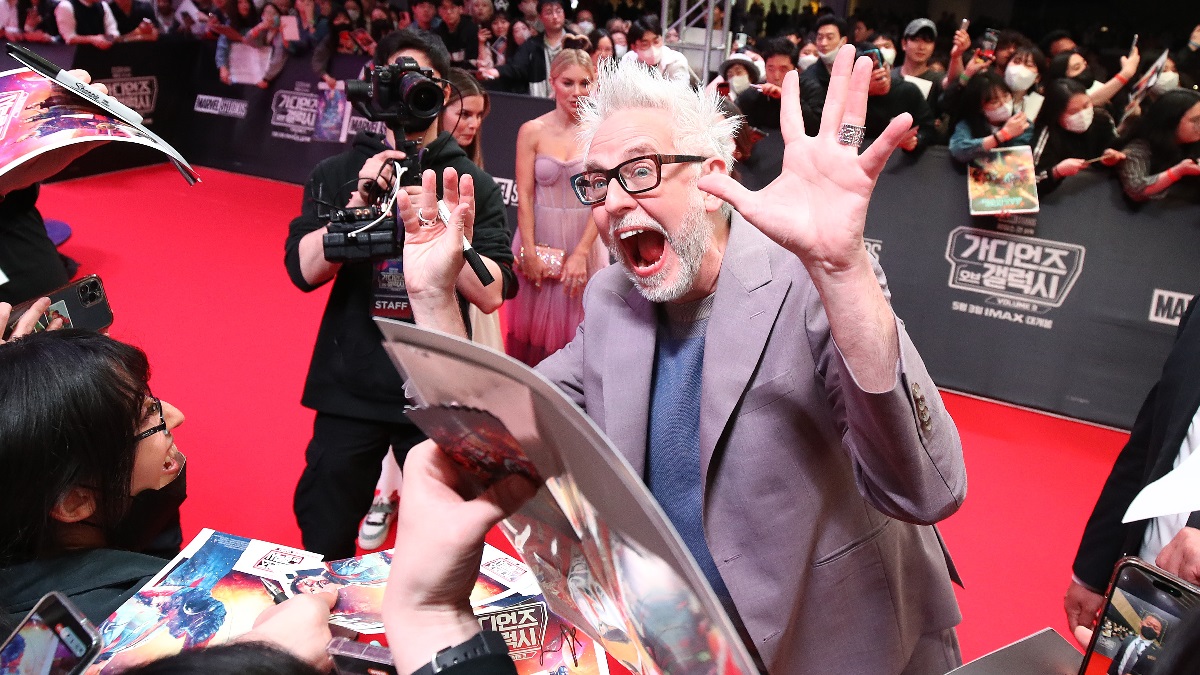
(195, 277)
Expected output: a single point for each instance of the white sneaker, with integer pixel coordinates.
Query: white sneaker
(377, 523)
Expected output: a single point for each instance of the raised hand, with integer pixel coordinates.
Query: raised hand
(817, 207)
(433, 250)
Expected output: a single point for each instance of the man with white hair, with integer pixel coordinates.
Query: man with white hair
(745, 358)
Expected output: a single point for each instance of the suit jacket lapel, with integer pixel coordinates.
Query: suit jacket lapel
(628, 370)
(744, 311)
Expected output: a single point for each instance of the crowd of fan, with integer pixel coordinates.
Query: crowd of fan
(1069, 101)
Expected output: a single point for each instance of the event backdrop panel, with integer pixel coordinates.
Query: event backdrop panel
(1071, 311)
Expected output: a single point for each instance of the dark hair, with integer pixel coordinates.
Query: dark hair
(242, 24)
(235, 658)
(646, 24)
(543, 3)
(831, 20)
(1157, 127)
(1058, 96)
(1009, 37)
(416, 39)
(414, 3)
(980, 89)
(460, 3)
(1054, 36)
(594, 38)
(875, 35)
(1057, 68)
(778, 47)
(71, 402)
(1039, 59)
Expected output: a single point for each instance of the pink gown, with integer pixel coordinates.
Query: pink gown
(540, 321)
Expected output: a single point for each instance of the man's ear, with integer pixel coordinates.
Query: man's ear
(713, 165)
(79, 503)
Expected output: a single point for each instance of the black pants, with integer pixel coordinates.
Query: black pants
(340, 473)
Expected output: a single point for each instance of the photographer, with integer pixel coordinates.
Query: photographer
(353, 386)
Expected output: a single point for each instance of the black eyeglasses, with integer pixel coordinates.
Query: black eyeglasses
(637, 175)
(162, 422)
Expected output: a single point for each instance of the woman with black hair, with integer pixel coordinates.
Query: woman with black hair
(1074, 65)
(1069, 133)
(1162, 146)
(986, 120)
(80, 436)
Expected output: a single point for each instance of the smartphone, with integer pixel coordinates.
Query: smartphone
(82, 304)
(1142, 610)
(987, 46)
(53, 639)
(355, 658)
(965, 24)
(1134, 45)
(722, 88)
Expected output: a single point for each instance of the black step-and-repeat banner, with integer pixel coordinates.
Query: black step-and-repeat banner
(1070, 311)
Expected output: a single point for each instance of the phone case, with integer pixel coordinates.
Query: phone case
(54, 637)
(82, 304)
(1136, 591)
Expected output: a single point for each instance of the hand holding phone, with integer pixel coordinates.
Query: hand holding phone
(54, 637)
(82, 304)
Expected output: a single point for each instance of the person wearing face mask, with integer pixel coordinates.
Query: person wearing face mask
(814, 81)
(761, 104)
(1138, 653)
(1070, 134)
(1021, 75)
(1161, 146)
(886, 46)
(808, 56)
(351, 384)
(985, 119)
(584, 23)
(76, 460)
(528, 71)
(1168, 80)
(740, 72)
(888, 98)
(646, 36)
(620, 42)
(1073, 65)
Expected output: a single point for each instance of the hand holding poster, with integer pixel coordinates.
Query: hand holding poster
(1003, 181)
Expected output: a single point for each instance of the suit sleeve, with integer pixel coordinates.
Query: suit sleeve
(564, 368)
(1103, 541)
(905, 448)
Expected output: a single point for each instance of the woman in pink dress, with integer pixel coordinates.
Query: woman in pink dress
(549, 307)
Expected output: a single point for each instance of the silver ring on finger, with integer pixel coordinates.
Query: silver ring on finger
(425, 222)
(852, 135)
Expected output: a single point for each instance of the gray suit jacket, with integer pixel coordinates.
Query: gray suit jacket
(818, 495)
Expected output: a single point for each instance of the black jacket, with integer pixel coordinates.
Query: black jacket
(526, 66)
(1158, 431)
(1062, 144)
(98, 581)
(350, 374)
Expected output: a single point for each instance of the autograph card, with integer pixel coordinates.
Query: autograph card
(475, 440)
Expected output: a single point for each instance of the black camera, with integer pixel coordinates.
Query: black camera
(358, 234)
(402, 95)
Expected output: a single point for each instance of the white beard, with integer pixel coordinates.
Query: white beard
(689, 246)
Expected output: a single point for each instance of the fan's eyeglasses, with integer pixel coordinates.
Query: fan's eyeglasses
(637, 175)
(162, 422)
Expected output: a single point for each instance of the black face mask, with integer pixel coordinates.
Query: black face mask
(1086, 78)
(381, 27)
(1149, 633)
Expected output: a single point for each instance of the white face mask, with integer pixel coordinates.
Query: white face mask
(738, 83)
(650, 56)
(806, 60)
(1019, 77)
(1166, 82)
(1080, 121)
(999, 115)
(889, 55)
(830, 57)
(586, 27)
(619, 50)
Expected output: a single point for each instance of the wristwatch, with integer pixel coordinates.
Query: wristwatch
(484, 643)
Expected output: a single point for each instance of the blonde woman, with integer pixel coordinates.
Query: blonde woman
(544, 315)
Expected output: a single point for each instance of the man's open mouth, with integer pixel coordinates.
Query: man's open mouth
(643, 249)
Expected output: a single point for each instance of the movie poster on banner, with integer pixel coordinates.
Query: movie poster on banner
(1003, 181)
(605, 556)
(332, 110)
(39, 117)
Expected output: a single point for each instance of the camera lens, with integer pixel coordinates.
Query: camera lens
(422, 95)
(90, 293)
